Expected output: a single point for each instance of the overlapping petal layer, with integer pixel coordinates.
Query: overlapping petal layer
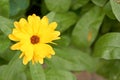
(32, 37)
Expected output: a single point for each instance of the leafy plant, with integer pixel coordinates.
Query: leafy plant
(90, 39)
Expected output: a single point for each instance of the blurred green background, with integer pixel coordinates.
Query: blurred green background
(90, 39)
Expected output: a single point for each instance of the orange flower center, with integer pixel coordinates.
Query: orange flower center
(35, 39)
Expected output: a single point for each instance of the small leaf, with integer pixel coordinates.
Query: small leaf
(116, 8)
(59, 5)
(87, 28)
(53, 74)
(4, 9)
(100, 3)
(108, 46)
(37, 72)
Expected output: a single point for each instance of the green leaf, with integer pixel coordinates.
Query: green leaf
(14, 67)
(100, 3)
(18, 7)
(106, 25)
(53, 74)
(7, 54)
(109, 69)
(20, 76)
(87, 28)
(59, 5)
(4, 9)
(72, 59)
(5, 43)
(108, 11)
(65, 20)
(116, 8)
(2, 68)
(108, 46)
(51, 16)
(6, 25)
(37, 72)
(64, 41)
(78, 3)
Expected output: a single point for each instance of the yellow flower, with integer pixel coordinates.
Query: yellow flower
(32, 37)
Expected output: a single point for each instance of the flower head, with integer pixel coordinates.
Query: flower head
(32, 37)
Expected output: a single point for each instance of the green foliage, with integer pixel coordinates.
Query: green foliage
(60, 75)
(73, 62)
(18, 8)
(90, 39)
(4, 10)
(76, 4)
(108, 46)
(59, 5)
(94, 19)
(115, 7)
(99, 2)
(37, 72)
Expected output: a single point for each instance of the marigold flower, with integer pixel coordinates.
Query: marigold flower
(32, 37)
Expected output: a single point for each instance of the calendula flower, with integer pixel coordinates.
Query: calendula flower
(32, 37)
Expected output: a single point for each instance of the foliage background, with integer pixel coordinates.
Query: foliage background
(90, 39)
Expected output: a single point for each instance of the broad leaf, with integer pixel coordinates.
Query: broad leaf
(5, 43)
(108, 46)
(18, 7)
(64, 20)
(14, 67)
(72, 59)
(109, 69)
(59, 5)
(76, 4)
(53, 74)
(6, 25)
(87, 28)
(116, 8)
(100, 3)
(37, 72)
(108, 11)
(4, 9)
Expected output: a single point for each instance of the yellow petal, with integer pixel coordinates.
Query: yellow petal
(44, 22)
(55, 35)
(21, 55)
(34, 23)
(25, 60)
(12, 37)
(28, 50)
(53, 25)
(16, 46)
(44, 50)
(41, 61)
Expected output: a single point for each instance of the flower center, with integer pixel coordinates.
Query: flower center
(35, 39)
